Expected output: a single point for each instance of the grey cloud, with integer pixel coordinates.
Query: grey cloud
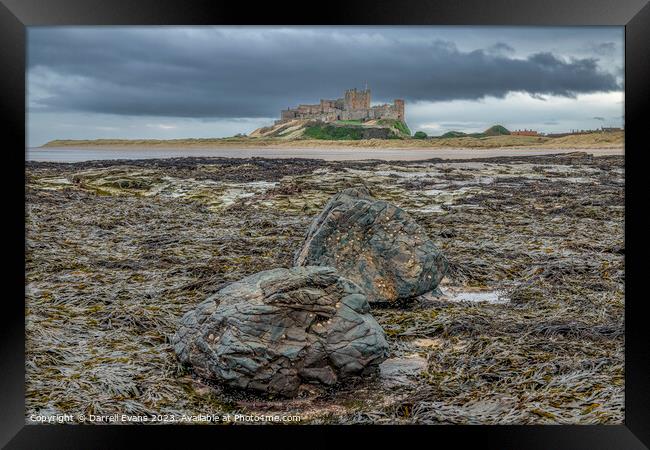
(239, 72)
(500, 48)
(604, 48)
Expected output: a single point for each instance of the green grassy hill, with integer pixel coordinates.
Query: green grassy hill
(400, 126)
(342, 130)
(495, 130)
(333, 132)
(453, 134)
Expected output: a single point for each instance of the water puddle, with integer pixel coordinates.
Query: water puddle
(53, 183)
(462, 295)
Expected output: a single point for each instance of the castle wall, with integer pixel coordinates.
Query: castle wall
(354, 106)
(388, 111)
(382, 112)
(357, 114)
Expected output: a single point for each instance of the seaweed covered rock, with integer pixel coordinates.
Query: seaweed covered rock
(277, 329)
(375, 244)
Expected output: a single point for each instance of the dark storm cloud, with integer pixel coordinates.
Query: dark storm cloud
(255, 72)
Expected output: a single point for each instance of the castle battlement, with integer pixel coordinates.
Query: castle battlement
(355, 105)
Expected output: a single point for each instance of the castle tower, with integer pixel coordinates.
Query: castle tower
(357, 100)
(399, 108)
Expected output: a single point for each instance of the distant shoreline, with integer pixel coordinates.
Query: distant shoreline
(103, 153)
(595, 140)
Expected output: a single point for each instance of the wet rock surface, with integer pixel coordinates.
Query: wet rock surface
(374, 243)
(401, 370)
(277, 329)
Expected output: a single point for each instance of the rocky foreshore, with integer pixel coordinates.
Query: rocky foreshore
(527, 326)
(278, 329)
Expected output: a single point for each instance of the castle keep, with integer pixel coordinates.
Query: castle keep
(355, 105)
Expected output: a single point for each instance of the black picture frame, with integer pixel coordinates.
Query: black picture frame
(16, 15)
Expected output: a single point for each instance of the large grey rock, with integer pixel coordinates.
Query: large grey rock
(274, 330)
(375, 244)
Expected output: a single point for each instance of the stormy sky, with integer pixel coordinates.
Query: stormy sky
(177, 82)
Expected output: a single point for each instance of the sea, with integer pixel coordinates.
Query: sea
(80, 154)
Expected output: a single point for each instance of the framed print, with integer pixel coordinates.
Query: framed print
(341, 220)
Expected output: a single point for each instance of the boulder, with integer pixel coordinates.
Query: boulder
(277, 329)
(375, 244)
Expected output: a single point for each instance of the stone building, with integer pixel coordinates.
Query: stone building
(355, 105)
(524, 133)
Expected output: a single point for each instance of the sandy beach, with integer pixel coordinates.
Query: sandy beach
(78, 154)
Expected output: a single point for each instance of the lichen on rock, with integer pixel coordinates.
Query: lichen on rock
(375, 244)
(277, 329)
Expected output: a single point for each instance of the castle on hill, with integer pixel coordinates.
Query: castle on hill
(355, 105)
